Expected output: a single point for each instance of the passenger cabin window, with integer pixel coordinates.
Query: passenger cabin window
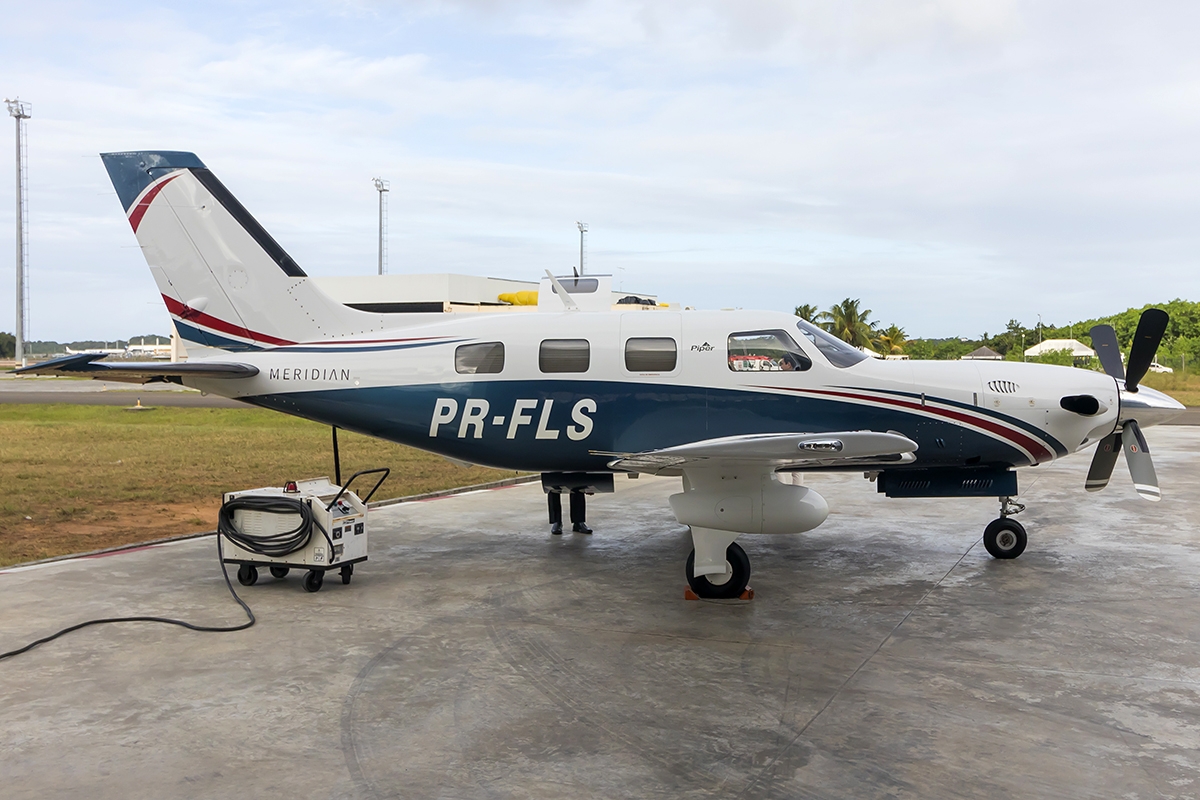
(839, 353)
(766, 351)
(564, 355)
(479, 359)
(651, 354)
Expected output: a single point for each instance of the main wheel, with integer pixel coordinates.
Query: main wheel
(313, 580)
(347, 571)
(1004, 538)
(722, 587)
(247, 575)
(279, 572)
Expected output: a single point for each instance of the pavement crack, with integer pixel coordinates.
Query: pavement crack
(766, 774)
(524, 655)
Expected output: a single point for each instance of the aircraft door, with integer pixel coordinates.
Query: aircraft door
(653, 407)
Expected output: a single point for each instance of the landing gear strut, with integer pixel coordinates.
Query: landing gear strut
(1005, 537)
(725, 586)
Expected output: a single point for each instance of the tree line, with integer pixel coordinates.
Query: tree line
(851, 323)
(8, 344)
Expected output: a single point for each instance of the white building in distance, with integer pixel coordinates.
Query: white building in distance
(1078, 349)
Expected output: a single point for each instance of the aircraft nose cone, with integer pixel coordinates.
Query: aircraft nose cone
(1149, 406)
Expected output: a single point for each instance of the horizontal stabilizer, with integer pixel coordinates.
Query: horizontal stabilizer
(90, 365)
(777, 451)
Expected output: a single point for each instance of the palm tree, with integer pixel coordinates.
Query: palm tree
(806, 312)
(891, 341)
(848, 322)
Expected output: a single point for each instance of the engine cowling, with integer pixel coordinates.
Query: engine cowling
(748, 504)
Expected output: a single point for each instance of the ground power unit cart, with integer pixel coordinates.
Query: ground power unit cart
(313, 525)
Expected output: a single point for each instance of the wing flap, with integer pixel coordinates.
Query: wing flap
(90, 365)
(775, 451)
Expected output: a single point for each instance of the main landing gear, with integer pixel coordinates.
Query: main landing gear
(726, 585)
(1005, 537)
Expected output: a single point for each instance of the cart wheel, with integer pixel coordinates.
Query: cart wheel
(313, 581)
(347, 571)
(247, 575)
(279, 572)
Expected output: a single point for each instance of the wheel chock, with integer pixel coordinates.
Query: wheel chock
(747, 594)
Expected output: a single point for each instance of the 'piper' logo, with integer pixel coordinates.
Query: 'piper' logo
(475, 418)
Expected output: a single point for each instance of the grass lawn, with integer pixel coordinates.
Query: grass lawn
(80, 478)
(1183, 387)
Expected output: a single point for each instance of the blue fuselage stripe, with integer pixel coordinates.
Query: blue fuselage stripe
(628, 417)
(1037, 432)
(209, 339)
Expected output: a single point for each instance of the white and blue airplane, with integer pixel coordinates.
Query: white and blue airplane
(732, 402)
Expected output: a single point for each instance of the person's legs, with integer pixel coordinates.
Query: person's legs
(554, 502)
(579, 513)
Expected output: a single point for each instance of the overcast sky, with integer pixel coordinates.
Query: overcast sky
(954, 164)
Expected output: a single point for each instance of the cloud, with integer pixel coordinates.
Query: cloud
(955, 164)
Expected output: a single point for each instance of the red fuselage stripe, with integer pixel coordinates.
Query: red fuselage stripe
(192, 315)
(1033, 446)
(139, 210)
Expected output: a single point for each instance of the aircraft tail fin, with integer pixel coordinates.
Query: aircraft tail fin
(226, 282)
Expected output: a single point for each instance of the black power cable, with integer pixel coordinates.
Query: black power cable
(273, 546)
(276, 545)
(202, 628)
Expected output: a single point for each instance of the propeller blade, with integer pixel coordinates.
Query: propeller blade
(1150, 330)
(1141, 466)
(1103, 462)
(1104, 342)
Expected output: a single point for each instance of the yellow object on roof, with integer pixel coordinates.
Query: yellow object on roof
(526, 298)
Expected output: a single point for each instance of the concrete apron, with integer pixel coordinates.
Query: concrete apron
(475, 655)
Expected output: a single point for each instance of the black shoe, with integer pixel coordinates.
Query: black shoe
(581, 527)
(556, 529)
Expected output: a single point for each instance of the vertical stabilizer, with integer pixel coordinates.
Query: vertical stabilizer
(226, 282)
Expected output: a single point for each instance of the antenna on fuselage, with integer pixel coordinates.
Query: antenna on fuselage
(561, 291)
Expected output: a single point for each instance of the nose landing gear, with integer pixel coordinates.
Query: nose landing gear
(1005, 537)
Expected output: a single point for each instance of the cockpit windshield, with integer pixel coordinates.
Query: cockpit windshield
(839, 353)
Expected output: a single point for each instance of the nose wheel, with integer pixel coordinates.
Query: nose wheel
(1005, 537)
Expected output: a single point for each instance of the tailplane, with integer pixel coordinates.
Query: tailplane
(226, 282)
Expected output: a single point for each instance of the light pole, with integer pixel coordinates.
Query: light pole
(20, 112)
(583, 227)
(382, 187)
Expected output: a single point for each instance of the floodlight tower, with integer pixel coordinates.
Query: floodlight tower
(20, 112)
(583, 227)
(382, 187)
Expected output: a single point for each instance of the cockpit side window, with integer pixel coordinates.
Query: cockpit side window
(479, 359)
(839, 353)
(766, 351)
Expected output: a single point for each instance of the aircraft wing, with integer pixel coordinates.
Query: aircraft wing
(90, 365)
(775, 452)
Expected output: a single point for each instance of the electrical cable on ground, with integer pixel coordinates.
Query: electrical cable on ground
(275, 546)
(165, 620)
